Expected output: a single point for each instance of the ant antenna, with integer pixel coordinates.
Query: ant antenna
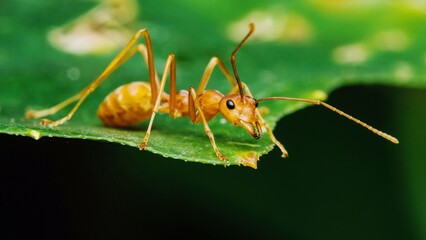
(233, 58)
(318, 102)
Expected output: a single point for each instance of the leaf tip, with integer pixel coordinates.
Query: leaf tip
(249, 159)
(34, 134)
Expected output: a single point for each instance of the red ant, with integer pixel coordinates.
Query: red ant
(137, 101)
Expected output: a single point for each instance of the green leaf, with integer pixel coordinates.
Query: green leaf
(304, 49)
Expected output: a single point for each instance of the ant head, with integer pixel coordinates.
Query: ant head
(241, 112)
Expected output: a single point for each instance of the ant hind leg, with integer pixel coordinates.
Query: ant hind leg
(129, 50)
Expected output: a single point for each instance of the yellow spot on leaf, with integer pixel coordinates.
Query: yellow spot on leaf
(391, 40)
(99, 31)
(318, 94)
(358, 7)
(34, 134)
(356, 53)
(403, 72)
(273, 25)
(249, 159)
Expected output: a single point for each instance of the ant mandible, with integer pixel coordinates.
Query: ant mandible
(137, 101)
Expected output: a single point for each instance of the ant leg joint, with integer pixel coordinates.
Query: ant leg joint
(46, 122)
(31, 114)
(141, 31)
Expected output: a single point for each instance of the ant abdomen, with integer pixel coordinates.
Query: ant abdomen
(126, 105)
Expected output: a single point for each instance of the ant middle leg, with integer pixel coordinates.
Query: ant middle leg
(169, 67)
(214, 61)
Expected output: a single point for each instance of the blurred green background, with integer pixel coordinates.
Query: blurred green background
(340, 181)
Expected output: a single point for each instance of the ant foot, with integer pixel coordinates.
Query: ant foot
(142, 146)
(222, 157)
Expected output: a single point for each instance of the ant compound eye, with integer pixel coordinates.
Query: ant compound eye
(230, 104)
(256, 103)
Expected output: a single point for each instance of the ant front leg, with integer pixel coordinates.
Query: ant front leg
(128, 51)
(268, 129)
(195, 110)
